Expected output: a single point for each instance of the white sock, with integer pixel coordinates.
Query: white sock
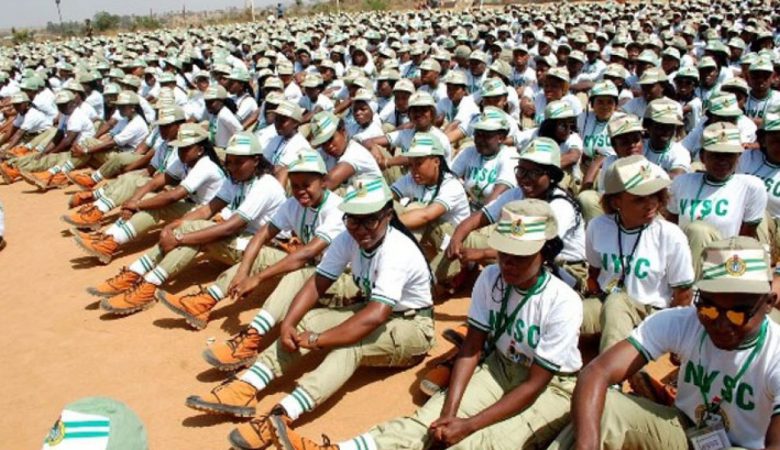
(258, 376)
(363, 442)
(142, 265)
(122, 232)
(55, 170)
(263, 322)
(104, 205)
(97, 177)
(156, 276)
(215, 292)
(98, 193)
(297, 403)
(68, 166)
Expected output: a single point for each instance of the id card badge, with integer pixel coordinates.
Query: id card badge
(242, 243)
(711, 437)
(445, 242)
(614, 286)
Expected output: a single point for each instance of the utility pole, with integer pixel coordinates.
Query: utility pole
(59, 12)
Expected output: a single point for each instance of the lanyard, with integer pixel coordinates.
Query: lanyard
(276, 155)
(239, 198)
(166, 149)
(503, 322)
(758, 102)
(624, 259)
(305, 233)
(698, 193)
(753, 354)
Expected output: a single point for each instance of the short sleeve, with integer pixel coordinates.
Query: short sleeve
(479, 310)
(336, 258)
(565, 216)
(681, 159)
(593, 257)
(679, 264)
(282, 218)
(394, 138)
(674, 190)
(506, 169)
(450, 194)
(403, 187)
(330, 226)
(257, 202)
(390, 281)
(461, 162)
(129, 134)
(492, 210)
(560, 334)
(756, 200)
(662, 332)
(176, 170)
(227, 192)
(197, 177)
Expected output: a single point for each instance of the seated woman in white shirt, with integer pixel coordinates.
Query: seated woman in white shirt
(243, 96)
(363, 124)
(346, 159)
(592, 126)
(663, 117)
(223, 122)
(28, 123)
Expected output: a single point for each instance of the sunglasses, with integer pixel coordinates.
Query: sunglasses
(736, 316)
(369, 223)
(533, 174)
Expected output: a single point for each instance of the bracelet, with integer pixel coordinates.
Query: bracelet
(313, 338)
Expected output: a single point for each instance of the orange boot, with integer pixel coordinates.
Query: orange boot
(19, 151)
(83, 179)
(237, 352)
(9, 174)
(195, 308)
(259, 433)
(123, 281)
(103, 248)
(138, 298)
(285, 438)
(456, 335)
(45, 180)
(235, 397)
(438, 378)
(81, 198)
(88, 217)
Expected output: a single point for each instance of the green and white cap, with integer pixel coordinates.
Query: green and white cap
(312, 80)
(363, 95)
(653, 75)
(560, 73)
(771, 122)
(604, 88)
(167, 77)
(578, 56)
(127, 98)
(479, 55)
(721, 137)
(664, 110)
(488, 121)
(761, 64)
(63, 97)
(97, 423)
(404, 85)
(616, 71)
(687, 72)
(273, 83)
(243, 143)
(20, 97)
(524, 227)
(706, 63)
(558, 109)
(430, 64)
(542, 150)
(366, 195)
(493, 87)
(289, 109)
(170, 114)
(323, 126)
(274, 98)
(190, 134)
(723, 104)
(736, 83)
(736, 265)
(421, 98)
(215, 92)
(239, 74)
(424, 144)
(635, 175)
(648, 56)
(308, 161)
(111, 89)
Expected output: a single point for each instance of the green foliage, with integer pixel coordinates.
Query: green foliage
(21, 36)
(104, 21)
(376, 5)
(147, 23)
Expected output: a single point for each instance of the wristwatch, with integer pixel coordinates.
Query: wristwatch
(313, 337)
(177, 236)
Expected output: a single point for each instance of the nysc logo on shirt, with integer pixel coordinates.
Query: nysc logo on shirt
(688, 207)
(740, 394)
(637, 267)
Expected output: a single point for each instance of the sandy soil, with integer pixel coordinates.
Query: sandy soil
(59, 346)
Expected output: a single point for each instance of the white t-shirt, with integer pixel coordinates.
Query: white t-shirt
(245, 106)
(389, 115)
(463, 113)
(571, 233)
(131, 134)
(44, 101)
(292, 92)
(546, 328)
(358, 157)
(514, 128)
(451, 195)
(395, 273)
(223, 127)
(202, 182)
(750, 403)
(79, 122)
(323, 221)
(95, 100)
(755, 108)
(724, 205)
(195, 108)
(164, 155)
(692, 141)
(754, 162)
(33, 121)
(360, 134)
(673, 157)
(480, 175)
(660, 261)
(635, 106)
(255, 201)
(438, 93)
(403, 139)
(282, 152)
(265, 134)
(595, 138)
(324, 103)
(525, 78)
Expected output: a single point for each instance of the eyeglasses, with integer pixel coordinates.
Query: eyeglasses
(532, 174)
(369, 223)
(737, 316)
(566, 125)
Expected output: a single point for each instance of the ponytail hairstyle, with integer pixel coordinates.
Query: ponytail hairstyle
(263, 167)
(564, 194)
(140, 111)
(396, 223)
(208, 150)
(230, 104)
(444, 169)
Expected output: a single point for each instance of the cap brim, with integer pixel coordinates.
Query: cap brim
(361, 209)
(178, 143)
(724, 148)
(504, 244)
(316, 142)
(650, 187)
(733, 286)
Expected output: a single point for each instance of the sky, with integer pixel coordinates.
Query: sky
(35, 13)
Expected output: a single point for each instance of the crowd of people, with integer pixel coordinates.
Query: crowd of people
(589, 174)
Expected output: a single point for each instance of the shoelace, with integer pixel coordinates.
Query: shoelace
(239, 339)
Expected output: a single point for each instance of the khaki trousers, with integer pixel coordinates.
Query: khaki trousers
(590, 201)
(144, 220)
(614, 319)
(699, 234)
(120, 190)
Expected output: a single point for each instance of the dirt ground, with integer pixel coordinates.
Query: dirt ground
(59, 346)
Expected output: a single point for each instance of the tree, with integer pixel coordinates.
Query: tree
(103, 21)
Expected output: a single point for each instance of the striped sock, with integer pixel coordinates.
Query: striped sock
(215, 292)
(55, 170)
(297, 403)
(259, 376)
(97, 177)
(122, 232)
(104, 204)
(263, 322)
(156, 276)
(68, 166)
(99, 193)
(363, 442)
(142, 266)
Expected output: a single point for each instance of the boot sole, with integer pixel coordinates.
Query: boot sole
(29, 179)
(94, 292)
(430, 388)
(191, 320)
(106, 306)
(237, 411)
(101, 257)
(227, 367)
(452, 336)
(280, 430)
(79, 185)
(81, 226)
(238, 442)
